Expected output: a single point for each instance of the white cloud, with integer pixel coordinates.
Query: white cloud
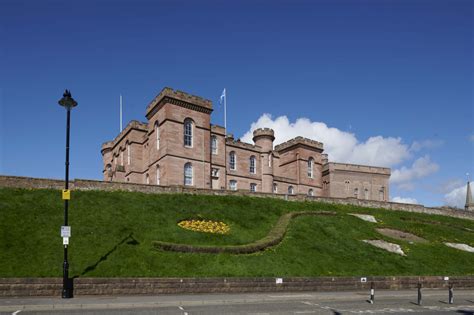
(404, 200)
(457, 197)
(471, 138)
(341, 146)
(425, 144)
(422, 167)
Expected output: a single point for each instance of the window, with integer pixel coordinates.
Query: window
(382, 194)
(157, 174)
(214, 144)
(232, 161)
(188, 132)
(310, 193)
(128, 154)
(233, 185)
(147, 179)
(346, 184)
(215, 172)
(366, 194)
(188, 174)
(270, 160)
(275, 188)
(253, 187)
(121, 158)
(310, 167)
(253, 162)
(356, 192)
(291, 191)
(157, 133)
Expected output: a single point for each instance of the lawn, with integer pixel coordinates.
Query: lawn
(112, 235)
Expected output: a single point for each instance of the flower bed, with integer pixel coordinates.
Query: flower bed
(205, 226)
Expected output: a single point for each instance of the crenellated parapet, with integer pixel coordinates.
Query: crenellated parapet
(263, 132)
(134, 124)
(300, 141)
(243, 145)
(180, 98)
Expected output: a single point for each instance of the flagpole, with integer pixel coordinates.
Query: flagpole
(120, 112)
(225, 112)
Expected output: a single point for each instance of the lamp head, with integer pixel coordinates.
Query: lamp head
(67, 101)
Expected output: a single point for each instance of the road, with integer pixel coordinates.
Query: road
(386, 302)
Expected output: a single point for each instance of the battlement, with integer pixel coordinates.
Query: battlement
(264, 132)
(332, 166)
(216, 129)
(299, 141)
(134, 124)
(243, 145)
(179, 96)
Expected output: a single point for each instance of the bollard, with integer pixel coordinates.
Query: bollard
(451, 296)
(420, 301)
(372, 293)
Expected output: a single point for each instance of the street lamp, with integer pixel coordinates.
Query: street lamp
(68, 103)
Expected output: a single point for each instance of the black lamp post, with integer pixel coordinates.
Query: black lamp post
(67, 102)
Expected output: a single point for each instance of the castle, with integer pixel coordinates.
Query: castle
(178, 145)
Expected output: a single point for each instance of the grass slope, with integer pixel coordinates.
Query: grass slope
(112, 235)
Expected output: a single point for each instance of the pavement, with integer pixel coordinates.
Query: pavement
(386, 302)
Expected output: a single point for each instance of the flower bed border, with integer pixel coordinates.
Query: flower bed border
(274, 237)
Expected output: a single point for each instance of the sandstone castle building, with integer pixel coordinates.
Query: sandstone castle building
(178, 145)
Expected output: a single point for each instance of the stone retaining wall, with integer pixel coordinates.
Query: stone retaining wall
(86, 184)
(156, 286)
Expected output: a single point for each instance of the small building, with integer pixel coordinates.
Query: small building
(178, 145)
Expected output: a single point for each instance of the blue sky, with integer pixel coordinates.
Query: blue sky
(381, 82)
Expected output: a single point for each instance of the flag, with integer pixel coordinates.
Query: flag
(222, 97)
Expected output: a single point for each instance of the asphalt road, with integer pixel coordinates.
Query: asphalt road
(386, 302)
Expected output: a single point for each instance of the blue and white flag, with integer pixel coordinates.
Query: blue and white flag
(222, 99)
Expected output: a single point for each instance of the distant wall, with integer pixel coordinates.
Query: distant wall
(152, 286)
(85, 184)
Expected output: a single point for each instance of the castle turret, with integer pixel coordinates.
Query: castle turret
(263, 138)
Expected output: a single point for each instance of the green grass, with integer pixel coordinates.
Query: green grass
(112, 235)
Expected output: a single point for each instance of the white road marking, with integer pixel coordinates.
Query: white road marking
(14, 313)
(181, 308)
(290, 296)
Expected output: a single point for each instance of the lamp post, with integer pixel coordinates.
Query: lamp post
(68, 103)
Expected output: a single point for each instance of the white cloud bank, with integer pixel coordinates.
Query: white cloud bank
(404, 200)
(422, 167)
(457, 197)
(341, 146)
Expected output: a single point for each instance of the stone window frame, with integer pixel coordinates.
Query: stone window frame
(366, 194)
(253, 187)
(291, 190)
(129, 154)
(233, 184)
(311, 192)
(188, 174)
(232, 161)
(158, 174)
(188, 130)
(147, 179)
(275, 188)
(157, 134)
(121, 157)
(214, 145)
(356, 193)
(382, 193)
(310, 169)
(253, 165)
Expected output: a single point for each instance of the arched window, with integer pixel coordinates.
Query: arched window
(214, 145)
(188, 174)
(346, 185)
(291, 191)
(147, 179)
(157, 174)
(253, 162)
(366, 194)
(233, 184)
(382, 194)
(253, 187)
(270, 160)
(232, 161)
(128, 154)
(310, 167)
(157, 134)
(121, 157)
(356, 192)
(310, 192)
(188, 132)
(275, 188)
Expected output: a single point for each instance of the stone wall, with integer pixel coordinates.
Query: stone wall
(84, 184)
(154, 286)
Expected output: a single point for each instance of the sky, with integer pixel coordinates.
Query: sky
(385, 83)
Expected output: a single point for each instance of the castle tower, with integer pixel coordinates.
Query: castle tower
(264, 137)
